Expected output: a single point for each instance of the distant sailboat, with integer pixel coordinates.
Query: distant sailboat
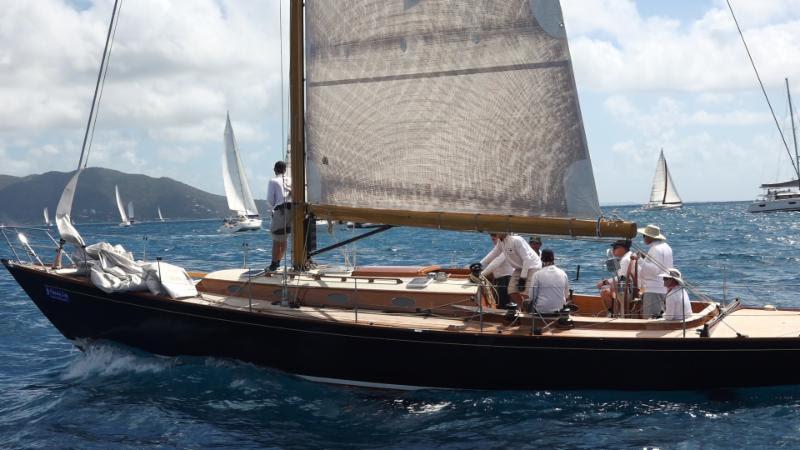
(784, 196)
(237, 190)
(663, 194)
(160, 217)
(124, 222)
(130, 212)
(47, 218)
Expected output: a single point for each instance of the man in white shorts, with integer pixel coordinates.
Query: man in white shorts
(279, 192)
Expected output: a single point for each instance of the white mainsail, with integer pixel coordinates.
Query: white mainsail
(237, 189)
(46, 217)
(123, 217)
(130, 211)
(160, 217)
(663, 192)
(444, 105)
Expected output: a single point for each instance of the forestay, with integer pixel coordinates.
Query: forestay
(237, 189)
(444, 105)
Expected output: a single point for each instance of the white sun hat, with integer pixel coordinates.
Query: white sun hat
(652, 231)
(673, 273)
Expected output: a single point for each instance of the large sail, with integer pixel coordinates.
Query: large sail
(123, 217)
(160, 217)
(63, 211)
(466, 106)
(237, 189)
(46, 216)
(663, 191)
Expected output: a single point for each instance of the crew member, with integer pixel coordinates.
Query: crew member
(651, 265)
(279, 192)
(610, 288)
(536, 244)
(522, 259)
(550, 287)
(501, 271)
(678, 306)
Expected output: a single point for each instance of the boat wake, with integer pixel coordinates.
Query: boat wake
(103, 359)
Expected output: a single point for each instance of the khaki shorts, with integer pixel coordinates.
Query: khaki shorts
(281, 225)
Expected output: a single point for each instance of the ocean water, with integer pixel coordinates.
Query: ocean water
(110, 396)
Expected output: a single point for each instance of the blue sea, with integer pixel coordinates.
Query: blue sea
(110, 396)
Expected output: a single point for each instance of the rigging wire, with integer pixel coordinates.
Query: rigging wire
(760, 83)
(102, 87)
(101, 76)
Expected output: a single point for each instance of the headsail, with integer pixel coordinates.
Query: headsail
(444, 105)
(122, 216)
(663, 191)
(63, 210)
(237, 189)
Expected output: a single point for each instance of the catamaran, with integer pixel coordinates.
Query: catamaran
(663, 194)
(124, 219)
(450, 88)
(237, 189)
(782, 196)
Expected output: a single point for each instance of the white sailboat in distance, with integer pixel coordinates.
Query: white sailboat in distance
(160, 217)
(663, 194)
(237, 190)
(47, 218)
(124, 222)
(130, 212)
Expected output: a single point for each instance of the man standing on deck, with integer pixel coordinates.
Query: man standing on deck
(279, 193)
(520, 256)
(678, 306)
(651, 266)
(536, 244)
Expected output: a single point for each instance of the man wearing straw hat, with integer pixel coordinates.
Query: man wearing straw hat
(651, 266)
(678, 305)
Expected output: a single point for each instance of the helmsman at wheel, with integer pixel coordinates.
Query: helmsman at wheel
(520, 256)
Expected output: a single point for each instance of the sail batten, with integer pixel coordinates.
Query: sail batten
(443, 105)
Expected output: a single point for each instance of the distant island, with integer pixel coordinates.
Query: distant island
(22, 199)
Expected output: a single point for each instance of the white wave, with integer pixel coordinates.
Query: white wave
(105, 360)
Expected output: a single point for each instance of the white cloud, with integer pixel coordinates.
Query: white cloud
(615, 49)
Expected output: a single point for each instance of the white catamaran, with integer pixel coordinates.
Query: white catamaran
(123, 217)
(663, 194)
(783, 196)
(237, 189)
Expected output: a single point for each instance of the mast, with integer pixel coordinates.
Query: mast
(794, 134)
(297, 132)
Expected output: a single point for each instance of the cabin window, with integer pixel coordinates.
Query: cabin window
(404, 302)
(337, 298)
(233, 289)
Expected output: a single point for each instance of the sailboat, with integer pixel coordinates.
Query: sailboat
(782, 196)
(124, 220)
(438, 81)
(47, 218)
(130, 212)
(160, 217)
(237, 189)
(663, 194)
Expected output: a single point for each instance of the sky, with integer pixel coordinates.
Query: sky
(651, 75)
